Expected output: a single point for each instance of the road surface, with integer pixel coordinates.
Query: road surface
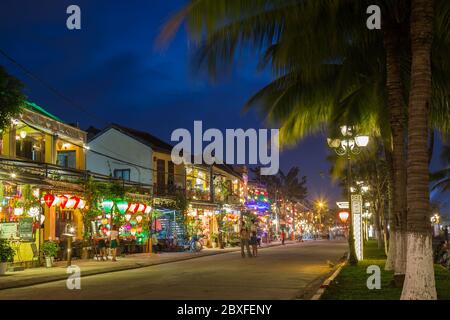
(283, 272)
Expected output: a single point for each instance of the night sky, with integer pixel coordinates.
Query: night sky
(111, 70)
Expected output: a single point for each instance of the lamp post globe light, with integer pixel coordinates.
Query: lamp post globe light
(348, 144)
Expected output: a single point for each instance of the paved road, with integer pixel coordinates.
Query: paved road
(283, 272)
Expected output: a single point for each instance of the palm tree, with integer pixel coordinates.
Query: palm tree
(419, 278)
(11, 98)
(315, 68)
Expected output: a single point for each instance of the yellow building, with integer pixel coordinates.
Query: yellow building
(40, 155)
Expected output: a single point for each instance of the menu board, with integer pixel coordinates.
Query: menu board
(26, 229)
(9, 230)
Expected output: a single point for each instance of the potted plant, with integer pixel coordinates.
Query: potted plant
(6, 255)
(214, 239)
(50, 250)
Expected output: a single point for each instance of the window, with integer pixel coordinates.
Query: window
(31, 148)
(67, 159)
(123, 174)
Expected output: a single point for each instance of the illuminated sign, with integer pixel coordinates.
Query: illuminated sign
(357, 225)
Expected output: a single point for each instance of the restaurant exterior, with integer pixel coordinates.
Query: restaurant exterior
(41, 158)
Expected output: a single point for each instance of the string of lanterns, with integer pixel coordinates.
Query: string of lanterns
(65, 202)
(128, 210)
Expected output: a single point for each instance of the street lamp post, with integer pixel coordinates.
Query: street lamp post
(347, 145)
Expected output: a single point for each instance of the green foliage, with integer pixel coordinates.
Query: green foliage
(338, 77)
(6, 251)
(350, 284)
(50, 249)
(29, 200)
(96, 192)
(11, 98)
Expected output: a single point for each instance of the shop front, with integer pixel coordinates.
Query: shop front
(62, 213)
(20, 217)
(202, 221)
(130, 218)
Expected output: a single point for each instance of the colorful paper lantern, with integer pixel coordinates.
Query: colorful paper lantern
(133, 231)
(73, 202)
(105, 221)
(82, 204)
(148, 210)
(48, 199)
(138, 218)
(141, 207)
(139, 229)
(133, 207)
(18, 211)
(107, 205)
(343, 215)
(33, 212)
(63, 201)
(128, 217)
(122, 206)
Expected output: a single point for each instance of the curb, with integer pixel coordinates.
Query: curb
(328, 281)
(59, 277)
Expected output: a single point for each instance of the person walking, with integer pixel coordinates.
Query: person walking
(254, 244)
(283, 236)
(155, 244)
(101, 245)
(114, 242)
(245, 241)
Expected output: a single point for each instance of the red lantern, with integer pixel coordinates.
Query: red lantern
(73, 202)
(63, 201)
(142, 207)
(139, 229)
(133, 207)
(343, 215)
(48, 199)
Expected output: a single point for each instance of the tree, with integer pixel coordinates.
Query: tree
(11, 98)
(317, 72)
(419, 278)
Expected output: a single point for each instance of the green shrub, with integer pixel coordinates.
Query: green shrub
(6, 251)
(50, 249)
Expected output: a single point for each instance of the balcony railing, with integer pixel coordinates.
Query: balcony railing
(43, 173)
(198, 194)
(167, 190)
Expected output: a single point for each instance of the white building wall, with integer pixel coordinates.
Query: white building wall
(115, 144)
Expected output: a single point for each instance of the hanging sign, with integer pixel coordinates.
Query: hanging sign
(8, 230)
(357, 225)
(26, 229)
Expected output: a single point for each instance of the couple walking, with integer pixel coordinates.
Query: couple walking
(248, 237)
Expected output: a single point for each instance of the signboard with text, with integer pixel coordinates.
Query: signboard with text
(26, 229)
(9, 230)
(357, 224)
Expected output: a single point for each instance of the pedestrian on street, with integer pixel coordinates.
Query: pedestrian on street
(283, 235)
(101, 245)
(155, 245)
(114, 241)
(254, 244)
(245, 241)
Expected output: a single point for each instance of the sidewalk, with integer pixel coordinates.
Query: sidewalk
(40, 275)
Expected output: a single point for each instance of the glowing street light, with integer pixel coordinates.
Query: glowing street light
(347, 145)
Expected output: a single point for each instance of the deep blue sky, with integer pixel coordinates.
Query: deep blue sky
(111, 68)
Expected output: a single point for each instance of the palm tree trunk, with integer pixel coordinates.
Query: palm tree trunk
(379, 233)
(396, 108)
(419, 280)
(391, 232)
